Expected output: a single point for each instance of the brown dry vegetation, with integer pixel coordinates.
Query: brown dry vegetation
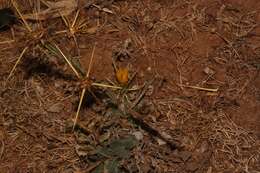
(192, 102)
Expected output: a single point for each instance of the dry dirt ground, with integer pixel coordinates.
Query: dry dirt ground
(191, 103)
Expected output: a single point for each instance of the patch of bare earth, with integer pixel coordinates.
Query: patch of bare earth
(192, 103)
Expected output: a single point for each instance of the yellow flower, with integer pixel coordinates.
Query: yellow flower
(122, 76)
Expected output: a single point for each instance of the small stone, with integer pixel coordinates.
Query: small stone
(166, 135)
(208, 71)
(40, 90)
(204, 147)
(160, 141)
(58, 84)
(209, 170)
(138, 135)
(150, 90)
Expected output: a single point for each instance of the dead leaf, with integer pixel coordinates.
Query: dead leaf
(192, 166)
(119, 148)
(184, 155)
(107, 10)
(56, 108)
(104, 137)
(91, 30)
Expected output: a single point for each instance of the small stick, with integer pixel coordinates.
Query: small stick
(2, 148)
(136, 117)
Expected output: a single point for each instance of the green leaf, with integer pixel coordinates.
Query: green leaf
(119, 148)
(112, 166)
(99, 169)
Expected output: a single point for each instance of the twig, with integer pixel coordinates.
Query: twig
(2, 148)
(136, 117)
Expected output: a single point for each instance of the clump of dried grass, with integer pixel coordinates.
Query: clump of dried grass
(233, 147)
(234, 144)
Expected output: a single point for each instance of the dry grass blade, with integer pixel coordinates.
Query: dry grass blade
(75, 19)
(65, 20)
(79, 107)
(73, 28)
(91, 60)
(56, 9)
(21, 15)
(106, 85)
(17, 62)
(84, 89)
(115, 87)
(68, 61)
(7, 42)
(201, 88)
